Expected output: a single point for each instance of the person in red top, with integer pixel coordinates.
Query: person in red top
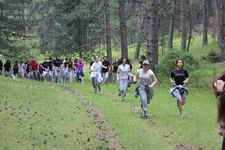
(35, 68)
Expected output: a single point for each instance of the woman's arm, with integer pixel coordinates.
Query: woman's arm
(154, 81)
(186, 81)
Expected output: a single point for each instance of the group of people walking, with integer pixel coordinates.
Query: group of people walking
(50, 70)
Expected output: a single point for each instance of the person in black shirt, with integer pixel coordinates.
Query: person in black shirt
(141, 61)
(50, 72)
(66, 71)
(115, 68)
(105, 69)
(15, 69)
(70, 71)
(75, 69)
(45, 68)
(179, 79)
(59, 69)
(7, 68)
(1, 66)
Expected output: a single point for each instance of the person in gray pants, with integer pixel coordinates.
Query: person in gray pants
(147, 80)
(122, 77)
(95, 76)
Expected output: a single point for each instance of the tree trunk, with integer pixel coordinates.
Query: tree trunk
(190, 27)
(205, 22)
(53, 33)
(171, 29)
(183, 25)
(123, 28)
(79, 40)
(152, 39)
(220, 15)
(108, 36)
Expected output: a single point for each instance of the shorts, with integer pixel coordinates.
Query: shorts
(180, 94)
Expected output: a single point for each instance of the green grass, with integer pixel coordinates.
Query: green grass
(38, 115)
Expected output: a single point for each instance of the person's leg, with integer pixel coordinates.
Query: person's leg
(144, 104)
(0, 72)
(114, 77)
(94, 84)
(223, 146)
(183, 95)
(120, 82)
(70, 76)
(125, 86)
(177, 94)
(106, 77)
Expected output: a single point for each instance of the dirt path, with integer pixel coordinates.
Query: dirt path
(105, 134)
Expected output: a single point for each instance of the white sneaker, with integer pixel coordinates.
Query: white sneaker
(182, 116)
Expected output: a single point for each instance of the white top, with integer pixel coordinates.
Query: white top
(145, 76)
(21, 67)
(123, 71)
(96, 66)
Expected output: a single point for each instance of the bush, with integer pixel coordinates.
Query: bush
(167, 62)
(212, 57)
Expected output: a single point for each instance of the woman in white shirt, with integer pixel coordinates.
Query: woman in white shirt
(147, 80)
(95, 70)
(122, 77)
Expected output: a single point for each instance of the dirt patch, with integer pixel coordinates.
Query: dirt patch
(105, 134)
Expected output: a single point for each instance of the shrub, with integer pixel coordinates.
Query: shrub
(212, 57)
(167, 62)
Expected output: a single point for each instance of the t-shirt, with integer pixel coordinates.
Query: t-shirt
(21, 67)
(106, 64)
(123, 71)
(115, 67)
(50, 65)
(15, 69)
(70, 65)
(179, 76)
(7, 67)
(96, 66)
(145, 76)
(34, 65)
(57, 62)
(79, 66)
(45, 65)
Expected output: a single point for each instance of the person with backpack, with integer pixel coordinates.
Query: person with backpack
(96, 78)
(146, 82)
(7, 68)
(179, 78)
(218, 88)
(123, 77)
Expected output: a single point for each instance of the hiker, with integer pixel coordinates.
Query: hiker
(27, 70)
(141, 61)
(179, 79)
(130, 75)
(75, 69)
(7, 68)
(1, 67)
(70, 70)
(21, 69)
(122, 77)
(105, 69)
(80, 70)
(15, 70)
(219, 91)
(66, 70)
(115, 68)
(96, 78)
(50, 72)
(146, 82)
(58, 69)
(45, 69)
(34, 69)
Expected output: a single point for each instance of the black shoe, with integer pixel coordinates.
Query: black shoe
(145, 114)
(119, 93)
